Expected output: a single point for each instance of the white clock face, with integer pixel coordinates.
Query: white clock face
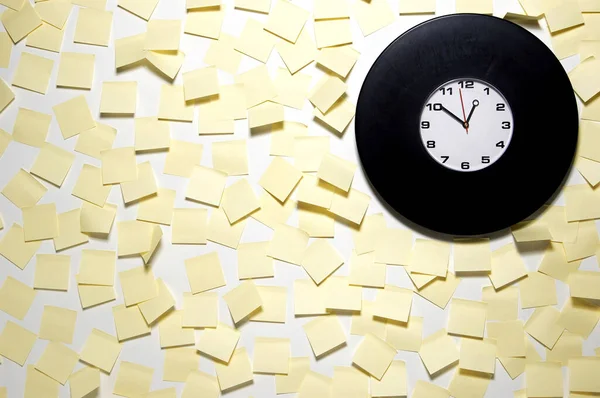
(466, 125)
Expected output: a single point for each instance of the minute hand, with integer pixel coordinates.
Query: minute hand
(462, 123)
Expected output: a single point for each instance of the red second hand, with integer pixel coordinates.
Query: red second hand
(463, 109)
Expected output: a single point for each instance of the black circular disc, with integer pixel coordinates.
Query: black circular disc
(486, 48)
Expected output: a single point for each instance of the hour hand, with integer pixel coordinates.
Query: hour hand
(453, 116)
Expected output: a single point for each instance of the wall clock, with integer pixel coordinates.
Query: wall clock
(466, 124)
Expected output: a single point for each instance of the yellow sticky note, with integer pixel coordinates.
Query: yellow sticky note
(271, 355)
(341, 296)
(338, 117)
(151, 134)
(565, 15)
(372, 16)
(584, 284)
(179, 362)
(171, 332)
(332, 32)
(239, 200)
(16, 298)
(290, 383)
(286, 20)
(14, 248)
(325, 334)
(243, 300)
(309, 152)
(309, 299)
(133, 380)
(52, 272)
(255, 42)
(272, 212)
(118, 98)
(589, 169)
(531, 231)
(537, 290)
(134, 237)
(163, 35)
(129, 50)
(55, 13)
(509, 336)
(265, 114)
(299, 54)
(319, 260)
(261, 6)
(182, 157)
(89, 186)
(258, 86)
(554, 263)
(585, 244)
(6, 46)
(430, 257)
(101, 350)
(57, 361)
(38, 384)
(73, 116)
(582, 375)
(502, 305)
(204, 272)
(292, 90)
(405, 337)
(97, 267)
(349, 381)
(417, 7)
(478, 355)
(142, 9)
(584, 81)
(507, 266)
(206, 185)
(218, 343)
(129, 322)
(215, 117)
(16, 342)
(438, 352)
(222, 54)
(58, 324)
(474, 6)
(52, 164)
(440, 291)
(40, 222)
(393, 382)
(544, 379)
(84, 382)
(568, 346)
(92, 295)
(351, 206)
(154, 242)
(326, 92)
(96, 140)
(579, 316)
(168, 63)
(31, 127)
(472, 255)
(93, 27)
(138, 285)
(465, 382)
(544, 327)
(69, 231)
(591, 110)
(205, 22)
(589, 135)
(280, 179)
(230, 157)
(118, 165)
(200, 83)
(173, 105)
(157, 208)
(467, 318)
(274, 305)
(315, 221)
(20, 23)
(200, 384)
(46, 37)
(189, 226)
(288, 244)
(200, 310)
(332, 9)
(222, 232)
(6, 95)
(339, 60)
(336, 171)
(393, 303)
(33, 73)
(253, 261)
(424, 389)
(315, 384)
(374, 356)
(144, 185)
(316, 192)
(237, 372)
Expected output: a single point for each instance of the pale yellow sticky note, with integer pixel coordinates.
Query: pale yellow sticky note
(341, 296)
(308, 152)
(332, 32)
(142, 186)
(325, 334)
(544, 379)
(554, 263)
(118, 165)
(438, 352)
(253, 261)
(182, 157)
(134, 237)
(272, 212)
(6, 46)
(330, 9)
(507, 266)
(258, 86)
(340, 114)
(478, 355)
(205, 22)
(237, 372)
(280, 178)
(339, 60)
(151, 134)
(286, 20)
(417, 7)
(54, 12)
(206, 185)
(230, 157)
(129, 322)
(16, 298)
(215, 117)
(6, 95)
(467, 318)
(261, 6)
(393, 383)
(265, 114)
(299, 54)
(168, 63)
(118, 98)
(33, 73)
(171, 332)
(52, 272)
(255, 42)
(38, 384)
(46, 37)
(336, 171)
(40, 222)
(439, 291)
(95, 4)
(326, 92)
(274, 305)
(163, 35)
(84, 382)
(5, 140)
(537, 290)
(16, 342)
(351, 205)
(138, 285)
(73, 116)
(430, 257)
(58, 324)
(405, 336)
(154, 242)
(315, 384)
(424, 389)
(92, 295)
(565, 15)
(315, 221)
(101, 350)
(591, 110)
(585, 244)
(589, 169)
(472, 255)
(57, 361)
(372, 16)
(349, 381)
(271, 355)
(239, 201)
(218, 343)
(179, 362)
(568, 346)
(373, 232)
(222, 232)
(200, 83)
(319, 260)
(292, 90)
(200, 384)
(309, 299)
(290, 383)
(133, 380)
(200, 310)
(579, 316)
(157, 208)
(374, 356)
(584, 284)
(243, 300)
(502, 305)
(531, 231)
(142, 9)
(129, 50)
(69, 231)
(584, 81)
(14, 248)
(204, 272)
(393, 303)
(20, 23)
(589, 136)
(96, 140)
(97, 267)
(31, 127)
(475, 6)
(222, 54)
(582, 375)
(288, 244)
(89, 186)
(52, 164)
(173, 105)
(93, 27)
(544, 327)
(189, 226)
(465, 382)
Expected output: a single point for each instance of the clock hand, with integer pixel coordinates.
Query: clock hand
(462, 123)
(462, 104)
(475, 105)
